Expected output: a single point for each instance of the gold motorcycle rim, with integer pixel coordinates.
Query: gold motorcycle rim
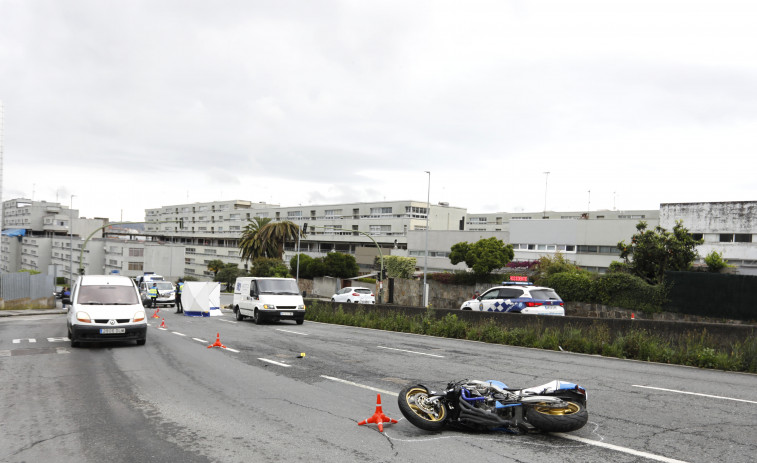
(569, 409)
(417, 399)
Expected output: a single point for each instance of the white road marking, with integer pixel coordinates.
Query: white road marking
(5, 353)
(618, 448)
(178, 334)
(200, 340)
(411, 352)
(32, 340)
(226, 321)
(275, 363)
(293, 332)
(233, 350)
(696, 393)
(16, 341)
(163, 329)
(370, 388)
(62, 350)
(58, 339)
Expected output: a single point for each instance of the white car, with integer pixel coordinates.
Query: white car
(354, 294)
(105, 308)
(523, 299)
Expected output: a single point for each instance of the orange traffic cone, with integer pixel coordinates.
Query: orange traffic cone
(163, 323)
(155, 315)
(633, 316)
(378, 416)
(218, 342)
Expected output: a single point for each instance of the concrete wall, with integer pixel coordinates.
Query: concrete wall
(724, 334)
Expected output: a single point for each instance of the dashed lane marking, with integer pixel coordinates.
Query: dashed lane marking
(411, 352)
(177, 333)
(696, 393)
(275, 363)
(293, 332)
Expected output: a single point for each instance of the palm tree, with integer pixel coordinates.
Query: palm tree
(275, 234)
(250, 245)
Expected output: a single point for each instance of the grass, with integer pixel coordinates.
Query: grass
(698, 350)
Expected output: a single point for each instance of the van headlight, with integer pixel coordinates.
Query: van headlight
(301, 307)
(269, 306)
(83, 317)
(139, 316)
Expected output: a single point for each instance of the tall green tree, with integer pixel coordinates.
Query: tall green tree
(341, 265)
(652, 252)
(273, 235)
(250, 245)
(483, 256)
(215, 266)
(228, 275)
(269, 267)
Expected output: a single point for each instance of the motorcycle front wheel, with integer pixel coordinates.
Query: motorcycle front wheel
(548, 418)
(415, 405)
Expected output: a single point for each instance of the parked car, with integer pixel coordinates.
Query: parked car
(105, 308)
(355, 294)
(166, 293)
(523, 299)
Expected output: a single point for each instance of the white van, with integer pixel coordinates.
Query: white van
(268, 299)
(105, 308)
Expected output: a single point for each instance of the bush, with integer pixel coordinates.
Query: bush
(571, 286)
(715, 262)
(629, 292)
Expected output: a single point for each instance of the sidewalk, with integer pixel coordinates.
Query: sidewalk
(15, 313)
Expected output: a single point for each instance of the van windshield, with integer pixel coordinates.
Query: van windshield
(277, 287)
(163, 285)
(107, 295)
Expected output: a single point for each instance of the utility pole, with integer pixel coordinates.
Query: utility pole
(425, 260)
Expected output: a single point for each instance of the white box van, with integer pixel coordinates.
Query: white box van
(268, 299)
(105, 308)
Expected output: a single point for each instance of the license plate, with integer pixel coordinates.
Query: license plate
(112, 330)
(286, 314)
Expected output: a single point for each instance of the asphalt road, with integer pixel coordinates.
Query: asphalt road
(175, 399)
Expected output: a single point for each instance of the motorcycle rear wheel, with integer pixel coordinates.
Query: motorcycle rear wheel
(557, 419)
(415, 406)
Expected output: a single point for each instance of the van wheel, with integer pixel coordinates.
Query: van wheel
(300, 321)
(74, 342)
(256, 318)
(240, 317)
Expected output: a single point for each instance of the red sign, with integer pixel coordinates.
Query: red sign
(518, 278)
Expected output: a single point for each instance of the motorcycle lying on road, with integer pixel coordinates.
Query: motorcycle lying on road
(557, 406)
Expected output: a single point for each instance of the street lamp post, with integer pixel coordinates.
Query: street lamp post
(71, 240)
(425, 259)
(546, 179)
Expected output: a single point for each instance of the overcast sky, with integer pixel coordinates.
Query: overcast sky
(139, 104)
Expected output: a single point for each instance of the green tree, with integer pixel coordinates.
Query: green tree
(399, 267)
(265, 238)
(250, 245)
(483, 256)
(215, 266)
(658, 250)
(341, 265)
(228, 274)
(715, 262)
(269, 267)
(305, 261)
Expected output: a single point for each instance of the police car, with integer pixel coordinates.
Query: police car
(518, 297)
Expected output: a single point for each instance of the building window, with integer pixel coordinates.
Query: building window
(136, 265)
(136, 252)
(742, 238)
(381, 210)
(697, 236)
(380, 229)
(726, 237)
(333, 212)
(294, 213)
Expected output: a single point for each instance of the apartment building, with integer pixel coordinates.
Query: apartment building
(212, 230)
(729, 228)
